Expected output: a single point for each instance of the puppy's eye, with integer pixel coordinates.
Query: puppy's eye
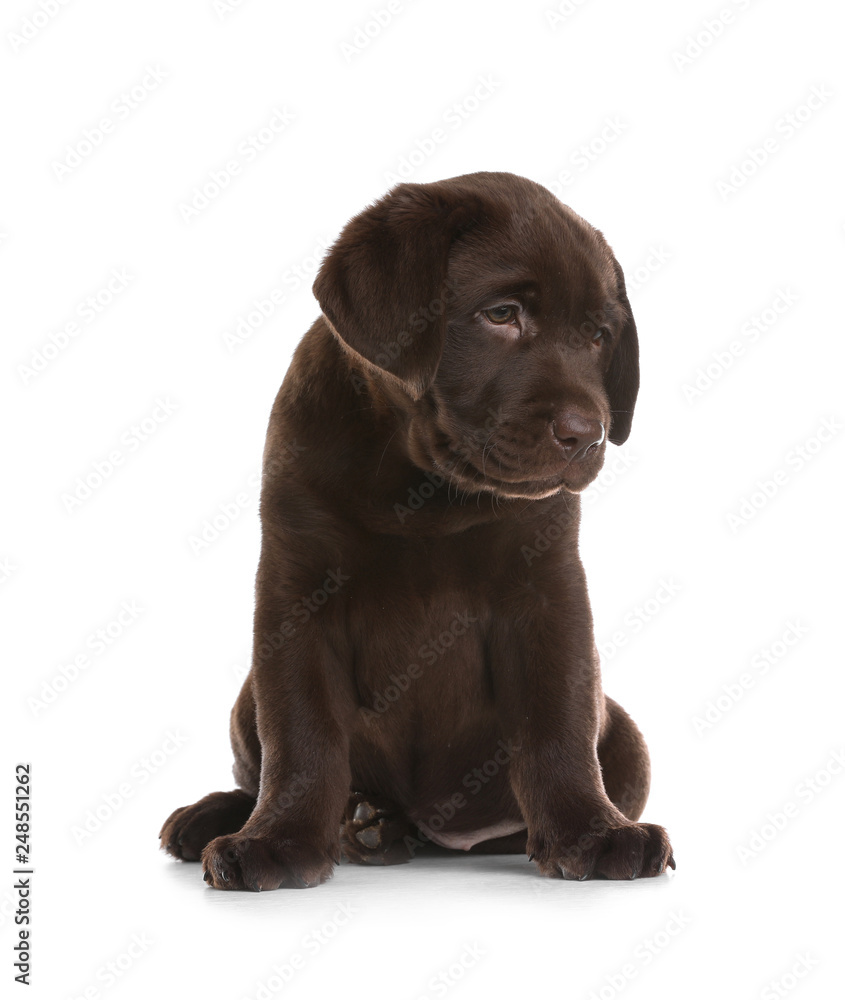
(601, 336)
(500, 314)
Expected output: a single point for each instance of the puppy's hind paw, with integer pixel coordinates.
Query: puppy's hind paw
(373, 831)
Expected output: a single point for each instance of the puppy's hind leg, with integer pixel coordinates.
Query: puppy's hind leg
(187, 830)
(625, 766)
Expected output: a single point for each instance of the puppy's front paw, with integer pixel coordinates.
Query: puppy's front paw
(636, 850)
(261, 862)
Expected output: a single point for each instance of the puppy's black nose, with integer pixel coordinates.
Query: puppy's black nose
(576, 434)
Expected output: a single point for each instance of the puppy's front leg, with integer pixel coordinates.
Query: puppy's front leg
(552, 707)
(301, 692)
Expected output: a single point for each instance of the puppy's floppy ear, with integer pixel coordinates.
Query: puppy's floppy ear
(622, 380)
(382, 286)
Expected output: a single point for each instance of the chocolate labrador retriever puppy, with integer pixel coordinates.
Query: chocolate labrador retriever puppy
(424, 666)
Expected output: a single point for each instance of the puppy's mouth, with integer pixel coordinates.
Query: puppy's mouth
(506, 474)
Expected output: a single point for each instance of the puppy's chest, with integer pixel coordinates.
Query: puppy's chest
(418, 624)
(420, 651)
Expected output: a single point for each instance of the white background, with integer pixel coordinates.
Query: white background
(749, 900)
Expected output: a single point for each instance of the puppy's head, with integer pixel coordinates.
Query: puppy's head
(497, 320)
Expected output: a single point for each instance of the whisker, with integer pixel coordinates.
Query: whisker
(392, 436)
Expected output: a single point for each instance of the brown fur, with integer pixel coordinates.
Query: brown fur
(424, 664)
